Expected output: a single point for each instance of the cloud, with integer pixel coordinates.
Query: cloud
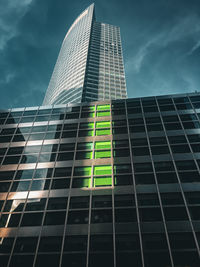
(187, 28)
(11, 11)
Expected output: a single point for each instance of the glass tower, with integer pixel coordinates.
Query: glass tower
(90, 63)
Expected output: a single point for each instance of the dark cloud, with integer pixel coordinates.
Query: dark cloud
(161, 44)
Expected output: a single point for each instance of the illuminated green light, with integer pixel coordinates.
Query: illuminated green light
(103, 113)
(84, 171)
(103, 124)
(102, 154)
(103, 107)
(103, 145)
(103, 132)
(103, 170)
(102, 181)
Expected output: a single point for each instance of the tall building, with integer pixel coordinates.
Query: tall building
(109, 183)
(90, 63)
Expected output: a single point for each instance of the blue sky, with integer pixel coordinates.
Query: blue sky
(160, 39)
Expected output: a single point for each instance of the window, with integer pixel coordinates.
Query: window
(103, 113)
(103, 145)
(82, 171)
(103, 170)
(102, 154)
(103, 124)
(100, 132)
(102, 181)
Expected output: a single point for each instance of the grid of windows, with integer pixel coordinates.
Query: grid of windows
(101, 181)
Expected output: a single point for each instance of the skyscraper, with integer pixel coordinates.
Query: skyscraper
(109, 183)
(90, 63)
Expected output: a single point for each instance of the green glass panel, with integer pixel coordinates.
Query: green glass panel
(102, 170)
(86, 145)
(103, 113)
(102, 154)
(103, 145)
(103, 132)
(84, 171)
(103, 107)
(87, 125)
(103, 124)
(102, 181)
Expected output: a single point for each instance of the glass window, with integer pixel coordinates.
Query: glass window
(50, 243)
(81, 182)
(102, 154)
(15, 150)
(86, 125)
(103, 145)
(103, 132)
(102, 181)
(35, 204)
(103, 113)
(164, 166)
(60, 183)
(55, 218)
(79, 202)
(32, 219)
(103, 107)
(86, 145)
(101, 216)
(78, 217)
(103, 170)
(103, 124)
(83, 133)
(62, 172)
(82, 171)
(84, 155)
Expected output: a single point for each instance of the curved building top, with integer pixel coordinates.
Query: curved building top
(89, 60)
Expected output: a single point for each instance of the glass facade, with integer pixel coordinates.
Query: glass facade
(90, 63)
(109, 183)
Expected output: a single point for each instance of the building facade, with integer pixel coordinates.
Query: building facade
(90, 63)
(113, 183)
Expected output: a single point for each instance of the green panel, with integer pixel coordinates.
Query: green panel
(103, 124)
(86, 145)
(102, 170)
(103, 113)
(102, 154)
(103, 132)
(103, 107)
(102, 181)
(84, 171)
(103, 145)
(87, 125)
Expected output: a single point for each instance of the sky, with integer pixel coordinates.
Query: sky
(160, 40)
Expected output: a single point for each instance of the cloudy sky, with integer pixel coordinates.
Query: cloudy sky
(160, 38)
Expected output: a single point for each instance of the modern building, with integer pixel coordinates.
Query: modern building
(113, 183)
(90, 63)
